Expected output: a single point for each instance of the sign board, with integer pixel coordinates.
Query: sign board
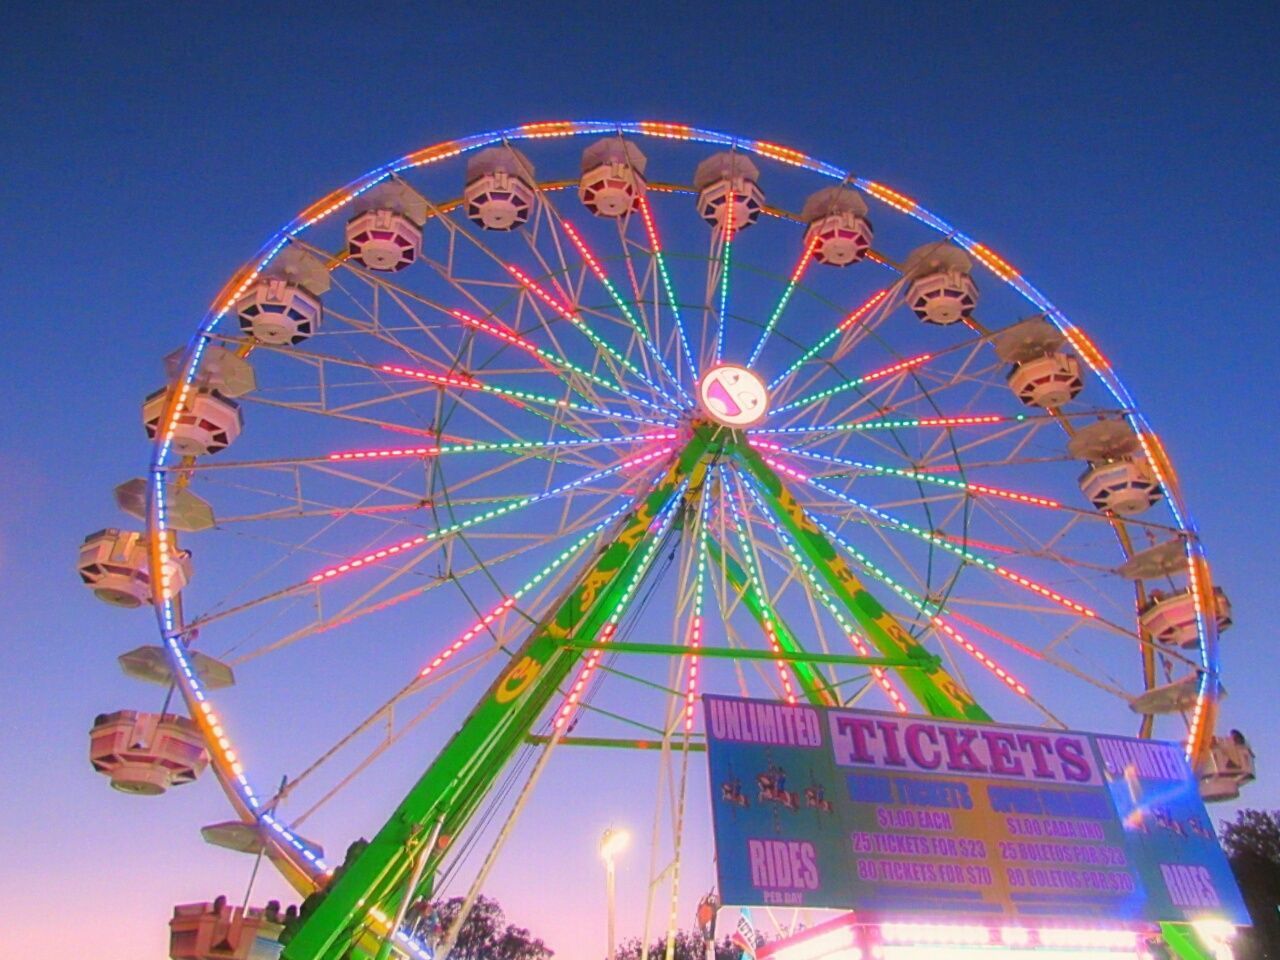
(886, 813)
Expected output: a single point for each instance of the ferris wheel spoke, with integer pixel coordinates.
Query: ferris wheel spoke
(564, 369)
(863, 467)
(855, 639)
(900, 367)
(734, 591)
(384, 375)
(866, 317)
(647, 347)
(716, 295)
(368, 602)
(794, 576)
(450, 445)
(485, 624)
(502, 508)
(649, 343)
(673, 302)
(453, 382)
(975, 559)
(646, 296)
(806, 258)
(781, 560)
(535, 294)
(373, 323)
(932, 614)
(655, 536)
(918, 369)
(700, 559)
(416, 547)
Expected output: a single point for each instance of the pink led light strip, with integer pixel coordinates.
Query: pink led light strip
(978, 655)
(362, 560)
(860, 312)
(1036, 588)
(982, 488)
(440, 379)
(770, 632)
(533, 287)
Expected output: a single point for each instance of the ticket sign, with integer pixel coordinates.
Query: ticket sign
(884, 813)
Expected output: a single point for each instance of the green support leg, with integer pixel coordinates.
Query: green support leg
(811, 681)
(1184, 943)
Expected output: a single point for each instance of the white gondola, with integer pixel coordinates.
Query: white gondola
(1229, 766)
(283, 306)
(219, 931)
(612, 181)
(1161, 560)
(279, 313)
(499, 188)
(721, 176)
(1049, 381)
(183, 510)
(1124, 487)
(208, 421)
(220, 369)
(151, 664)
(247, 837)
(940, 289)
(838, 228)
(1177, 697)
(146, 753)
(1027, 339)
(1105, 439)
(385, 234)
(1171, 618)
(114, 564)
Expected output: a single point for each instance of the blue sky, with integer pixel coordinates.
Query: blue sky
(1124, 156)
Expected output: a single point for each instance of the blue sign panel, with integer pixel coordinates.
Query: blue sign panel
(854, 809)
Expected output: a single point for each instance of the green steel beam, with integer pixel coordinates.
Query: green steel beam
(816, 689)
(461, 775)
(937, 691)
(617, 743)
(1183, 941)
(931, 663)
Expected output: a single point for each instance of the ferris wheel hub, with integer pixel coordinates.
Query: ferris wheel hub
(733, 396)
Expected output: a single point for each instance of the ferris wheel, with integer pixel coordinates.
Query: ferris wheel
(492, 461)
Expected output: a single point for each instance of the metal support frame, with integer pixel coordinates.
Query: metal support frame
(456, 782)
(811, 682)
(464, 771)
(938, 692)
(928, 663)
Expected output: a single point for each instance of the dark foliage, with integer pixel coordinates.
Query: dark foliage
(486, 935)
(1252, 843)
(689, 945)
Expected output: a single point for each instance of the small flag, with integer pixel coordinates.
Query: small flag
(744, 935)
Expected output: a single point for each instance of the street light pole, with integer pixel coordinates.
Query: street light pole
(612, 843)
(610, 893)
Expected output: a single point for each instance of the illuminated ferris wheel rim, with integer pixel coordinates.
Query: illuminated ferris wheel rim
(306, 865)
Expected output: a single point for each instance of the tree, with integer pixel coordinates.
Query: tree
(486, 935)
(1255, 832)
(1252, 844)
(689, 945)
